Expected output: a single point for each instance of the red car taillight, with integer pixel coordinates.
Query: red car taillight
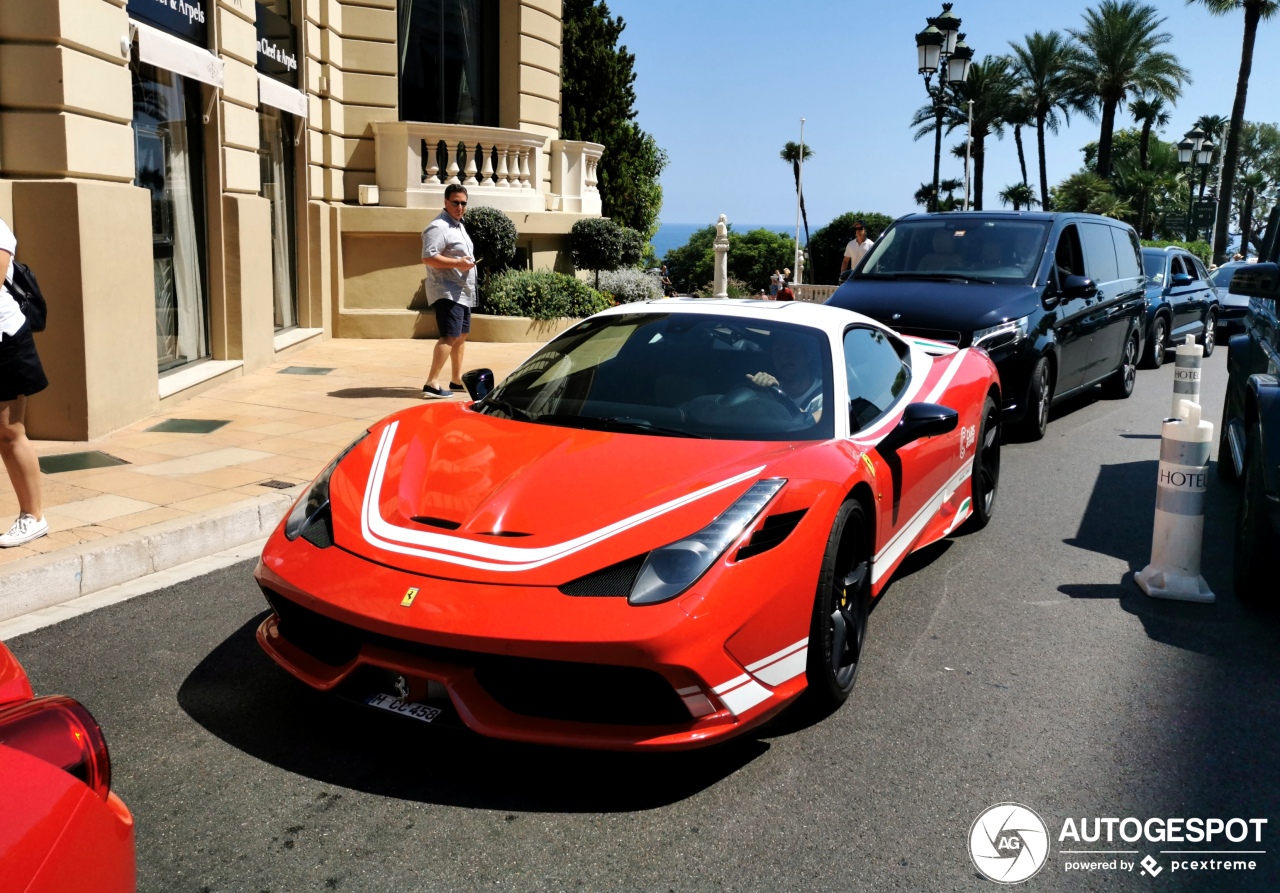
(60, 731)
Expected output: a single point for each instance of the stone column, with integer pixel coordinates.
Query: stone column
(721, 246)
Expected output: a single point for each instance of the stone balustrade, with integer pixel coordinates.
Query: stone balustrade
(501, 168)
(814, 294)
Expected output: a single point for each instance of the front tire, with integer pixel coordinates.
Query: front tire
(1158, 343)
(1254, 541)
(1226, 465)
(839, 623)
(1120, 385)
(986, 468)
(1039, 399)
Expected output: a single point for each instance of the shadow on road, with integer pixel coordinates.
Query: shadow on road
(365, 393)
(238, 694)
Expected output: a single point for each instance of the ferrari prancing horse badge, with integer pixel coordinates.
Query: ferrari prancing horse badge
(409, 596)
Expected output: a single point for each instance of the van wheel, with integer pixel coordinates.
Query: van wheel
(1158, 343)
(1226, 465)
(1039, 398)
(1120, 385)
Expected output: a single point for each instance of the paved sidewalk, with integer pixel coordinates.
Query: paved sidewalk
(283, 423)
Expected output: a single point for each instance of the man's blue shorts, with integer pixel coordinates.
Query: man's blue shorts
(453, 319)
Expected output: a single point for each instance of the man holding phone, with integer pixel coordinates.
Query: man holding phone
(450, 285)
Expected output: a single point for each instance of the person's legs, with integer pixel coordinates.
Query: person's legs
(20, 458)
(455, 359)
(443, 350)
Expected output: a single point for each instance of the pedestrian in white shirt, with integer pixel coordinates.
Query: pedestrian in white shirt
(857, 249)
(21, 375)
(450, 285)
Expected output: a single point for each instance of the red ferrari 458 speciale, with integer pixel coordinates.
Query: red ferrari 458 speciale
(61, 827)
(660, 530)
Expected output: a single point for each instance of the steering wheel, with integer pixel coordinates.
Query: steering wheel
(774, 391)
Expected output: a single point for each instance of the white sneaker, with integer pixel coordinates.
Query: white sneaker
(24, 530)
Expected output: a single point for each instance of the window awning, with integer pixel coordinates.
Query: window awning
(281, 96)
(162, 50)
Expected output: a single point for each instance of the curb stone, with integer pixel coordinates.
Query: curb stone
(42, 581)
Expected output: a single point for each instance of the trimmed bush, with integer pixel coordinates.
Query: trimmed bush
(539, 294)
(629, 286)
(494, 237)
(596, 244)
(1201, 249)
(630, 247)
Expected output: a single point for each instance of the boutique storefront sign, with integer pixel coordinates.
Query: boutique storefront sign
(185, 18)
(277, 46)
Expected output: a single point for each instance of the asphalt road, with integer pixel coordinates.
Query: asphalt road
(1018, 664)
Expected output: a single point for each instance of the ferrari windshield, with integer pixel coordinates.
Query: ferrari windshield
(677, 375)
(964, 249)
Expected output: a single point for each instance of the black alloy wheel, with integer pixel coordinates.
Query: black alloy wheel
(986, 467)
(1208, 338)
(1255, 543)
(839, 624)
(1039, 399)
(1120, 385)
(1158, 343)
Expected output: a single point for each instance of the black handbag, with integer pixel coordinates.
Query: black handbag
(26, 291)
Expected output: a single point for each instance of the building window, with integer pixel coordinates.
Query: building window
(275, 152)
(449, 61)
(167, 139)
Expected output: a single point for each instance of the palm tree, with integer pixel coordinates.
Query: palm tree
(924, 196)
(1253, 183)
(1215, 126)
(1042, 64)
(1158, 188)
(949, 187)
(1149, 112)
(1020, 114)
(990, 86)
(1255, 11)
(1019, 195)
(791, 152)
(1120, 41)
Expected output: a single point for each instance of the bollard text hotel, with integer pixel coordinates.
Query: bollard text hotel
(204, 185)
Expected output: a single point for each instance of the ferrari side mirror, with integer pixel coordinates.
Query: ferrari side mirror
(919, 420)
(478, 382)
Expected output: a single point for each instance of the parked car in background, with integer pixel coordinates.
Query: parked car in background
(1181, 301)
(1231, 308)
(1056, 299)
(61, 827)
(1249, 449)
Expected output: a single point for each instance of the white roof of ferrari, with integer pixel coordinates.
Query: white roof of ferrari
(820, 316)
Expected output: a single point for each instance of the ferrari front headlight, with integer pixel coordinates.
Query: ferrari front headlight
(673, 568)
(314, 504)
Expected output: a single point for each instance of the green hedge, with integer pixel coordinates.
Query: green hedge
(1200, 249)
(540, 294)
(629, 286)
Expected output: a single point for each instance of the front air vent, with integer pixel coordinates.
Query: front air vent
(503, 533)
(775, 529)
(442, 523)
(615, 580)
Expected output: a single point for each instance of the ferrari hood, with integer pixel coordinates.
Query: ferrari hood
(447, 492)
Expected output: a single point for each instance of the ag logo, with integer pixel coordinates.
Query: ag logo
(1008, 843)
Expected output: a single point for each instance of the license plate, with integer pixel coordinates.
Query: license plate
(392, 704)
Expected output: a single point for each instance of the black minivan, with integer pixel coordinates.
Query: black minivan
(1056, 299)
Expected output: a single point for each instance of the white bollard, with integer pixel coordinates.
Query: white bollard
(1174, 571)
(1186, 372)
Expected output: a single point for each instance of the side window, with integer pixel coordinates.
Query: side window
(1201, 272)
(1190, 263)
(876, 374)
(1127, 252)
(1068, 258)
(1099, 252)
(1175, 266)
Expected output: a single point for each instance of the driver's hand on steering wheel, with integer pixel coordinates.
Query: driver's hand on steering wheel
(763, 380)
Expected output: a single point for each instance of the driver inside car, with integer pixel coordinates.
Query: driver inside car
(792, 374)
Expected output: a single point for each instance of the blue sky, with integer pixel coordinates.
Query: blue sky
(722, 85)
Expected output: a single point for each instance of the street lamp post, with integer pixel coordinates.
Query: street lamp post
(1192, 151)
(941, 46)
(1204, 157)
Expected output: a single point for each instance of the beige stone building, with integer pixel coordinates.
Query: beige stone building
(204, 185)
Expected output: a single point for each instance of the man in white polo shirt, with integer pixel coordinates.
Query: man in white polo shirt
(857, 249)
(450, 284)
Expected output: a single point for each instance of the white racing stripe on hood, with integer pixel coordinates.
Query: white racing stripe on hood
(380, 532)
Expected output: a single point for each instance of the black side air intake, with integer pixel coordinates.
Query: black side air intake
(776, 528)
